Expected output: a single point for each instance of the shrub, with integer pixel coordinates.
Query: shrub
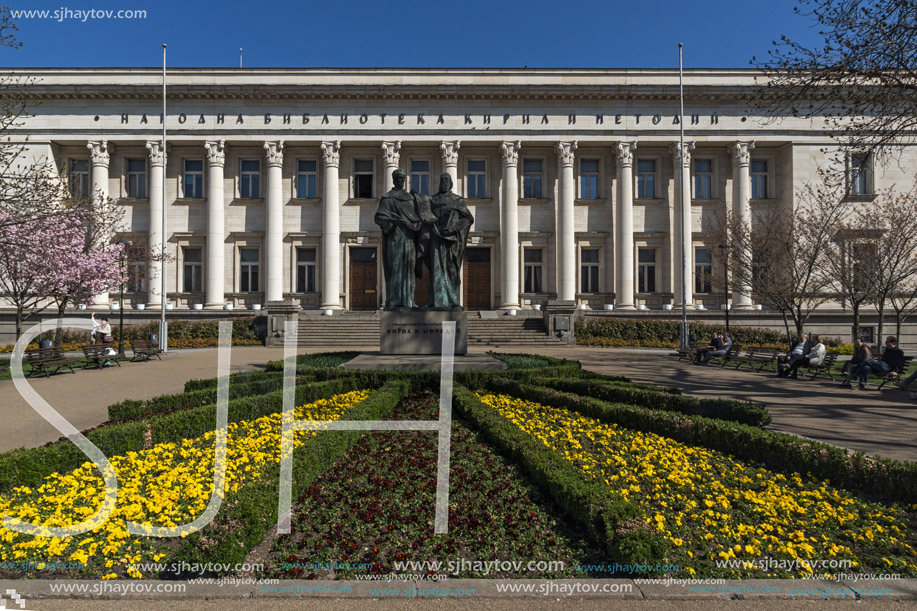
(666, 332)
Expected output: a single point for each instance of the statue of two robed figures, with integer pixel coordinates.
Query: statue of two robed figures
(419, 230)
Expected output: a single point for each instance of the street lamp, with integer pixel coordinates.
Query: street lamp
(124, 244)
(724, 248)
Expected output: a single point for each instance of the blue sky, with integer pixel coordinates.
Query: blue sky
(431, 33)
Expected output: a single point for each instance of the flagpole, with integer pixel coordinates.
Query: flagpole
(684, 247)
(163, 329)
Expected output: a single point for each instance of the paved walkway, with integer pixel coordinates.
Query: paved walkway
(882, 423)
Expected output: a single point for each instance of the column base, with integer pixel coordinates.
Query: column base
(743, 306)
(331, 306)
(625, 306)
(509, 306)
(215, 306)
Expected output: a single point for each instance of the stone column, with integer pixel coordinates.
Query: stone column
(682, 236)
(157, 201)
(624, 228)
(391, 155)
(450, 163)
(741, 202)
(509, 225)
(99, 158)
(215, 271)
(566, 236)
(331, 227)
(273, 236)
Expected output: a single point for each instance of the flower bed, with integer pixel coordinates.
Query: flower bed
(709, 507)
(167, 485)
(375, 507)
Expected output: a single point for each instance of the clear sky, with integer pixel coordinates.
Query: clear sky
(405, 33)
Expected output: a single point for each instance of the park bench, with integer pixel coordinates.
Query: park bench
(95, 354)
(824, 368)
(691, 350)
(760, 357)
(43, 360)
(729, 357)
(144, 350)
(895, 374)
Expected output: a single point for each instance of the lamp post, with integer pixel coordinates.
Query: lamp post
(124, 244)
(724, 248)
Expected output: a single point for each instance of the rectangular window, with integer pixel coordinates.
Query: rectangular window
(136, 178)
(193, 269)
(589, 270)
(476, 178)
(646, 179)
(306, 179)
(305, 270)
(533, 266)
(859, 178)
(703, 270)
(758, 179)
(250, 179)
(589, 178)
(135, 263)
(79, 178)
(646, 270)
(193, 178)
(248, 270)
(862, 258)
(363, 178)
(532, 178)
(420, 176)
(703, 179)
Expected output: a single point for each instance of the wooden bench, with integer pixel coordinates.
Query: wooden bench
(756, 356)
(43, 360)
(95, 354)
(730, 355)
(689, 353)
(893, 375)
(144, 350)
(824, 368)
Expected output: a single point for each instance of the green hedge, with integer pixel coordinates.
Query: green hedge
(321, 360)
(668, 331)
(720, 409)
(241, 377)
(610, 520)
(247, 515)
(877, 477)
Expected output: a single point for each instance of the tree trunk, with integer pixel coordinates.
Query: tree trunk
(880, 304)
(786, 325)
(61, 306)
(855, 305)
(18, 322)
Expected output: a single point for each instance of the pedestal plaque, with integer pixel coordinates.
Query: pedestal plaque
(420, 332)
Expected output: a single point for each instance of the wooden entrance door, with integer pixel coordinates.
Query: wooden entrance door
(476, 279)
(364, 279)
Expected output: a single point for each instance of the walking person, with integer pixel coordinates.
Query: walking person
(814, 358)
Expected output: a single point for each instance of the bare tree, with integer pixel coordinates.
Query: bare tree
(904, 303)
(862, 77)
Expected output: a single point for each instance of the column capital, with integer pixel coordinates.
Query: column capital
(450, 152)
(331, 153)
(510, 152)
(274, 153)
(391, 152)
(625, 152)
(681, 158)
(741, 152)
(100, 152)
(157, 155)
(216, 152)
(565, 154)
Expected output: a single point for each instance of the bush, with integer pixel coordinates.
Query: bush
(665, 332)
(523, 361)
(247, 516)
(321, 360)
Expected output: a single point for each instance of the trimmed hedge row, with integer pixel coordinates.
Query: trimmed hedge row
(132, 408)
(322, 360)
(241, 377)
(720, 409)
(611, 521)
(668, 331)
(877, 477)
(247, 515)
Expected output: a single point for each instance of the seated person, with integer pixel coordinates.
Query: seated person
(715, 344)
(726, 345)
(861, 353)
(802, 347)
(892, 360)
(813, 358)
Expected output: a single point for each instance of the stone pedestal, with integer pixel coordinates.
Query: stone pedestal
(278, 313)
(420, 332)
(559, 319)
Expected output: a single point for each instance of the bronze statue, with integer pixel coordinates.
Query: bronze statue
(398, 218)
(445, 250)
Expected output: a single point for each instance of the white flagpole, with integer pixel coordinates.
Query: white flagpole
(684, 247)
(163, 329)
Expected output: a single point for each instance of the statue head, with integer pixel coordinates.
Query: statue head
(398, 178)
(445, 183)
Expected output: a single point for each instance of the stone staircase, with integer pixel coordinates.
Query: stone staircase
(361, 329)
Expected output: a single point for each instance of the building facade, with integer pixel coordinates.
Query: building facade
(578, 183)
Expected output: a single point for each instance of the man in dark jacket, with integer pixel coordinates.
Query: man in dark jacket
(892, 360)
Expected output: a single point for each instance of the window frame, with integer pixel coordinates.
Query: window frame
(865, 176)
(372, 177)
(184, 174)
(655, 175)
(297, 174)
(767, 177)
(644, 266)
(698, 277)
(539, 266)
(184, 269)
(306, 264)
(137, 268)
(71, 172)
(583, 265)
(597, 174)
(483, 174)
(239, 248)
(241, 178)
(542, 175)
(712, 195)
(410, 175)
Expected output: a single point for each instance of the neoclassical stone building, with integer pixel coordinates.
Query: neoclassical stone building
(576, 179)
